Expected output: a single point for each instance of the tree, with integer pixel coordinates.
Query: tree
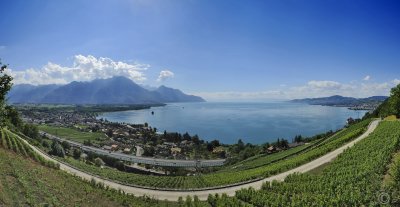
(196, 140)
(298, 138)
(390, 106)
(31, 131)
(394, 101)
(119, 165)
(188, 201)
(180, 201)
(45, 144)
(57, 149)
(77, 153)
(13, 116)
(5, 86)
(196, 201)
(109, 133)
(240, 146)
(149, 151)
(66, 145)
(284, 143)
(186, 136)
(211, 200)
(99, 162)
(213, 144)
(87, 142)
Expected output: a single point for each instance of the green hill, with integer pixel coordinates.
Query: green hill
(390, 106)
(26, 179)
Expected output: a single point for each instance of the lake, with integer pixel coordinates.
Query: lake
(252, 122)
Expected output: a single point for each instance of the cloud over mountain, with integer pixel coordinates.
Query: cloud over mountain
(115, 90)
(84, 68)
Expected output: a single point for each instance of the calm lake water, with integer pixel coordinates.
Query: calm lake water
(252, 122)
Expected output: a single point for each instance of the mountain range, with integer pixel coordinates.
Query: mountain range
(341, 100)
(115, 90)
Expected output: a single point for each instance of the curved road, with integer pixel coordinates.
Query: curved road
(230, 191)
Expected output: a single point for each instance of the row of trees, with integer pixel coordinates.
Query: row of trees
(177, 137)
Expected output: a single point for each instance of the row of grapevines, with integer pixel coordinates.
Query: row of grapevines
(13, 142)
(353, 179)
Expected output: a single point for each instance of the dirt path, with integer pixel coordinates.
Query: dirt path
(230, 191)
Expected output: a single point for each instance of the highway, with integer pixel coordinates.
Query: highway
(142, 160)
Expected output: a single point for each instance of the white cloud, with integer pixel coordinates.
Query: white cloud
(367, 78)
(84, 68)
(396, 81)
(324, 84)
(311, 89)
(165, 74)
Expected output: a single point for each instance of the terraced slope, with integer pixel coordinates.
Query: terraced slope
(10, 141)
(353, 179)
(27, 180)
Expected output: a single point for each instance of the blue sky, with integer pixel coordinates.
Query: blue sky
(222, 50)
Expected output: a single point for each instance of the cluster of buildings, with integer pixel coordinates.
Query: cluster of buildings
(57, 118)
(135, 139)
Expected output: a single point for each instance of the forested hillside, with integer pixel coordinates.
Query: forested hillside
(390, 106)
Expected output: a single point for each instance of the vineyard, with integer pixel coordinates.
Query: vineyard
(25, 182)
(233, 176)
(264, 159)
(10, 141)
(258, 161)
(353, 179)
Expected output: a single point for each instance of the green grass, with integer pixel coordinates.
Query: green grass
(73, 134)
(318, 170)
(81, 126)
(391, 118)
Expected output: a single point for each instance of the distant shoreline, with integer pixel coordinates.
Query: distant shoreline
(95, 108)
(229, 121)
